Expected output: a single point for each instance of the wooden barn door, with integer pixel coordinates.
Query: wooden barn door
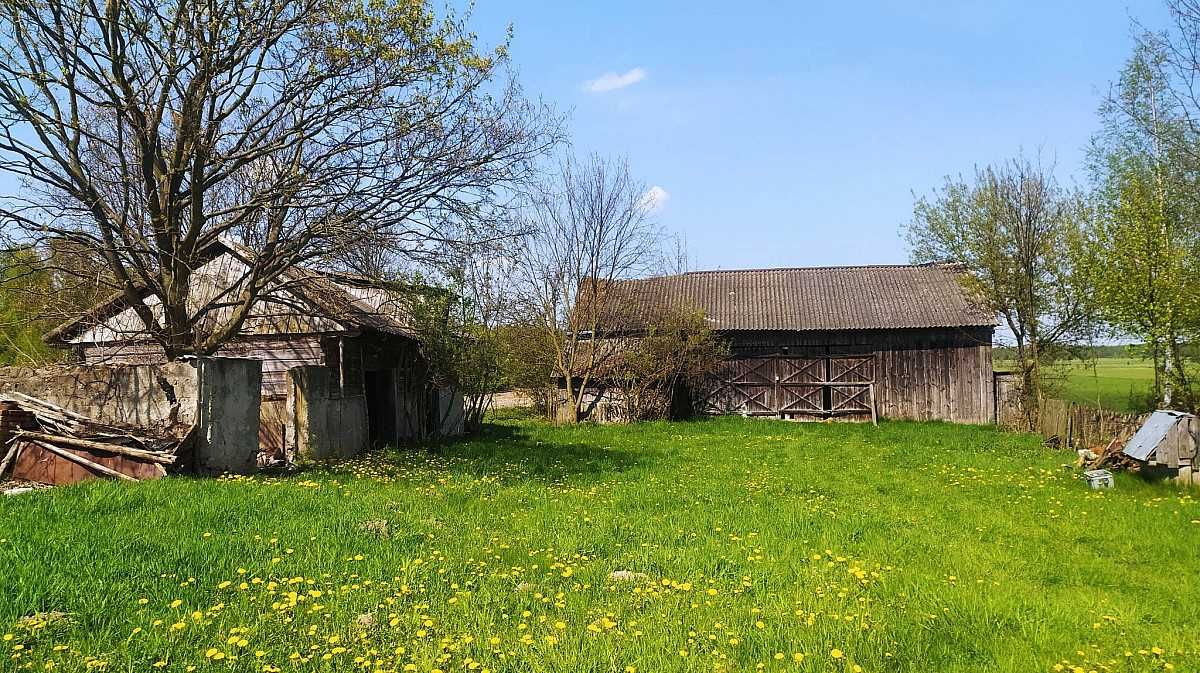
(743, 385)
(852, 397)
(799, 389)
(819, 385)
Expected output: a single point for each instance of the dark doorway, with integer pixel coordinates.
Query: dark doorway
(381, 407)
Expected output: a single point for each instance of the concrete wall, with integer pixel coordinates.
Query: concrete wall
(324, 426)
(451, 412)
(220, 396)
(143, 395)
(228, 414)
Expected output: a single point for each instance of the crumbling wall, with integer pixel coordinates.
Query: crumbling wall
(326, 424)
(220, 396)
(143, 395)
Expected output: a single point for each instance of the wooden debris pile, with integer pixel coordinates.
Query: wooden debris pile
(1110, 457)
(45, 443)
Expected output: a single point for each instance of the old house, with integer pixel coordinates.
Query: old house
(341, 365)
(903, 342)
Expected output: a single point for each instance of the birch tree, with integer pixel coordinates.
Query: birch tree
(1143, 248)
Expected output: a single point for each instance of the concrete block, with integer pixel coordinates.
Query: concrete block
(326, 425)
(228, 414)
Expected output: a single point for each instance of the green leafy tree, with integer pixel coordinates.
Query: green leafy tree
(1142, 252)
(462, 327)
(24, 287)
(1013, 227)
(663, 373)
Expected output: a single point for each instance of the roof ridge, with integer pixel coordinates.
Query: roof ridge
(844, 267)
(835, 267)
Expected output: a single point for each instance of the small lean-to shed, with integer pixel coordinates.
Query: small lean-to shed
(1167, 440)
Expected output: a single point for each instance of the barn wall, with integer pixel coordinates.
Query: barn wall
(277, 353)
(346, 357)
(929, 374)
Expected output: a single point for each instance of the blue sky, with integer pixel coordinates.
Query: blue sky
(793, 134)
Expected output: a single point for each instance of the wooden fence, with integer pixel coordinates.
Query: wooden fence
(1068, 423)
(1083, 426)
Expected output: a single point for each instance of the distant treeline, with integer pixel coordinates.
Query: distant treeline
(1098, 352)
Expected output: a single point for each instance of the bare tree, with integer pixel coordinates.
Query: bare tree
(461, 335)
(144, 131)
(1015, 229)
(591, 226)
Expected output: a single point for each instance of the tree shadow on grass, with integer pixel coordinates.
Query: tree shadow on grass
(504, 453)
(514, 451)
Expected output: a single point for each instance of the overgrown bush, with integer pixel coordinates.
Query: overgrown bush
(528, 366)
(663, 373)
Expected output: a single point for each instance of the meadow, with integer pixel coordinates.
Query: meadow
(1110, 382)
(720, 545)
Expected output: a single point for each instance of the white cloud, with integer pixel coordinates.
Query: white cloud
(655, 198)
(611, 81)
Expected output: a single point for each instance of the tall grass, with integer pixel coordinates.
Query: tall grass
(749, 545)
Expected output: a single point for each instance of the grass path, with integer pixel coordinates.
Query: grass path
(765, 546)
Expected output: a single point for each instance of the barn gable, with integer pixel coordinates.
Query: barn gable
(303, 301)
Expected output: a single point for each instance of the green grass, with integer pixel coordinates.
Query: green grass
(907, 547)
(1111, 383)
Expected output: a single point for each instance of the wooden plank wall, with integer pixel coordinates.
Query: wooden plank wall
(926, 374)
(278, 354)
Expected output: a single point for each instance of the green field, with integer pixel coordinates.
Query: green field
(749, 545)
(1112, 383)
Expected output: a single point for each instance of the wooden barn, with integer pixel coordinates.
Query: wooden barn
(341, 367)
(902, 342)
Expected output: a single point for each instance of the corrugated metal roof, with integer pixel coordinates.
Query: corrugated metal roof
(815, 298)
(1151, 434)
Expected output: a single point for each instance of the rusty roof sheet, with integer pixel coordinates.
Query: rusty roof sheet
(815, 298)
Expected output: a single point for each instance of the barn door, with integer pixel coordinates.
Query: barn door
(743, 385)
(799, 389)
(852, 397)
(822, 385)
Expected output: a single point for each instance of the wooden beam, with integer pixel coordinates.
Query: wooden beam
(9, 456)
(88, 445)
